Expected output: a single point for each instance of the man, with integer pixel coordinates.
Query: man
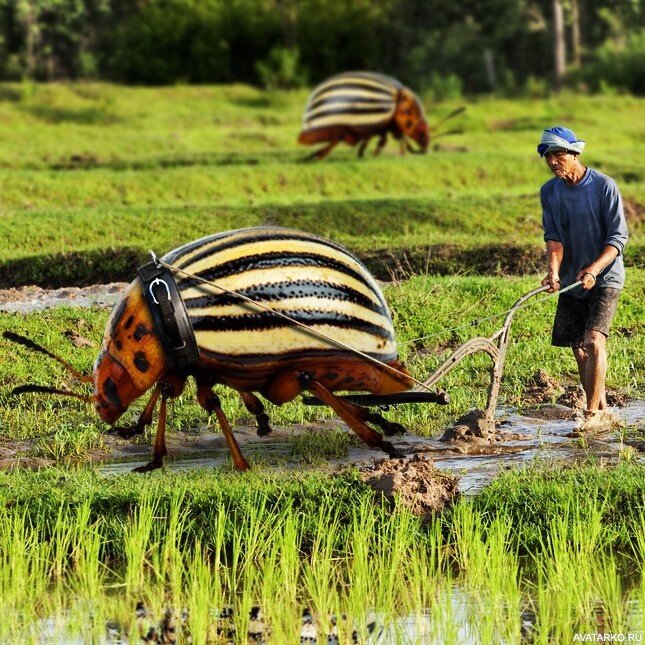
(585, 234)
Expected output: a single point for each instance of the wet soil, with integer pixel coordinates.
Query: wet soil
(473, 449)
(431, 471)
(415, 482)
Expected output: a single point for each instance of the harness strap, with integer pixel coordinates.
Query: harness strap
(169, 315)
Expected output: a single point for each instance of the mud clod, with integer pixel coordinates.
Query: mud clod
(542, 388)
(415, 482)
(472, 427)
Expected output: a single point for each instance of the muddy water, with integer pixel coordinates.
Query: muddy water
(543, 430)
(542, 439)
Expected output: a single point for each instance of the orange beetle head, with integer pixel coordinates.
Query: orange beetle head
(132, 359)
(113, 388)
(410, 119)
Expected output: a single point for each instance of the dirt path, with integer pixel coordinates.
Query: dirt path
(28, 299)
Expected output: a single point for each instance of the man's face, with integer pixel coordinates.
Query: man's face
(561, 162)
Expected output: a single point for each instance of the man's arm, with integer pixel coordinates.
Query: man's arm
(554, 255)
(615, 240)
(589, 274)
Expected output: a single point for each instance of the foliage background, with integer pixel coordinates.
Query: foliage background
(507, 46)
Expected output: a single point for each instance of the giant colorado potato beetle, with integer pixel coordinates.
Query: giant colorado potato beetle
(355, 106)
(269, 311)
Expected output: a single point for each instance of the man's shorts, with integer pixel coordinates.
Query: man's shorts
(575, 316)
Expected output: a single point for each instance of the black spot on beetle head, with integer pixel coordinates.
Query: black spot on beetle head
(128, 322)
(140, 332)
(117, 315)
(141, 362)
(112, 392)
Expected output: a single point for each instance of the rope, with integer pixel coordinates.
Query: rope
(296, 322)
(330, 338)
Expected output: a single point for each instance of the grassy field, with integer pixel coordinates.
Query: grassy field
(426, 309)
(92, 176)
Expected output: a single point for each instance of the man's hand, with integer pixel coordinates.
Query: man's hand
(588, 277)
(552, 280)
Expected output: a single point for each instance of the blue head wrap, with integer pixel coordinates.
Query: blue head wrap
(559, 138)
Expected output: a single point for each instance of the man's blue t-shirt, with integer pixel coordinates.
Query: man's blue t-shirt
(585, 218)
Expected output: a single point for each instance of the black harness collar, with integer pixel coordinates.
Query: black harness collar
(169, 315)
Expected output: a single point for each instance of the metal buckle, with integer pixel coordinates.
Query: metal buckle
(155, 282)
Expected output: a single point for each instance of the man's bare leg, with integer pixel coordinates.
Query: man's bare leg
(592, 368)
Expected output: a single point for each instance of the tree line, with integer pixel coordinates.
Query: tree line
(504, 46)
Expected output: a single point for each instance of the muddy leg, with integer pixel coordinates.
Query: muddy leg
(144, 420)
(255, 407)
(160, 450)
(323, 152)
(211, 403)
(348, 415)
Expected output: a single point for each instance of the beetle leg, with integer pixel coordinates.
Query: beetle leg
(362, 146)
(382, 140)
(211, 403)
(145, 419)
(365, 414)
(160, 450)
(255, 407)
(348, 415)
(323, 152)
(402, 146)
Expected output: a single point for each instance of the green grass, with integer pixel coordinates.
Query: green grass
(104, 173)
(94, 175)
(81, 549)
(425, 309)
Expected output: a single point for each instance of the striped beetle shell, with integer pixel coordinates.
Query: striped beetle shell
(312, 280)
(308, 278)
(355, 106)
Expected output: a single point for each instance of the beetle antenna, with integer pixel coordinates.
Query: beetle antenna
(453, 114)
(30, 344)
(444, 134)
(43, 389)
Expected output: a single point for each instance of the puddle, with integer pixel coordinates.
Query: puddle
(452, 615)
(475, 465)
(543, 430)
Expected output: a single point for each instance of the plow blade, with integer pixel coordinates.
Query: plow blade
(367, 400)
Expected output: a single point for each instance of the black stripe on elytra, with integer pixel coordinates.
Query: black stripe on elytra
(282, 357)
(287, 289)
(348, 86)
(278, 236)
(269, 321)
(371, 76)
(349, 98)
(271, 260)
(172, 256)
(340, 111)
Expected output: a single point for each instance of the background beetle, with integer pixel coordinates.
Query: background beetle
(168, 325)
(355, 106)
